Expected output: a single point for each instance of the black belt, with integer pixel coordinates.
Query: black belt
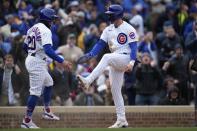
(125, 53)
(34, 55)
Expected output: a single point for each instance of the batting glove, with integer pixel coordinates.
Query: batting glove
(84, 58)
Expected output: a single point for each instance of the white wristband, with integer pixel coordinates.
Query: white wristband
(132, 62)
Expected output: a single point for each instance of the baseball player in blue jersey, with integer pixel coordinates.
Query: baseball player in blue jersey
(38, 45)
(122, 40)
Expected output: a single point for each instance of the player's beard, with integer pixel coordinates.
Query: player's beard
(46, 23)
(49, 24)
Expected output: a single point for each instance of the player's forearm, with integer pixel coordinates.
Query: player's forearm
(51, 53)
(98, 47)
(133, 55)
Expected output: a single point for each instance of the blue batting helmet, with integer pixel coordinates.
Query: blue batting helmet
(48, 14)
(115, 12)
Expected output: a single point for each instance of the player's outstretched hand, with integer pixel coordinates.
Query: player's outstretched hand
(129, 67)
(84, 58)
(67, 65)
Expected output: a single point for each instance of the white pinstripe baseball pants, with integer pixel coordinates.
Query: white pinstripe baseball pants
(117, 63)
(38, 75)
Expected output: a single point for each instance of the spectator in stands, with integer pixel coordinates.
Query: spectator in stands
(73, 6)
(70, 24)
(55, 37)
(88, 8)
(63, 85)
(8, 93)
(1, 75)
(177, 67)
(191, 47)
(173, 98)
(129, 86)
(20, 25)
(6, 29)
(148, 46)
(168, 83)
(137, 21)
(102, 80)
(129, 4)
(5, 47)
(191, 41)
(91, 65)
(70, 51)
(91, 38)
(101, 27)
(94, 17)
(88, 97)
(104, 88)
(189, 23)
(169, 40)
(20, 81)
(148, 80)
(24, 10)
(7, 7)
(168, 15)
(162, 35)
(182, 16)
(108, 95)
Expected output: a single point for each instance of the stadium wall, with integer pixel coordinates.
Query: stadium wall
(138, 116)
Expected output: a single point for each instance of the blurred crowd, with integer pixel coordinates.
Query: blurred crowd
(166, 48)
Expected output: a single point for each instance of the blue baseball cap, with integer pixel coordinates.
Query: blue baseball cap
(193, 9)
(168, 23)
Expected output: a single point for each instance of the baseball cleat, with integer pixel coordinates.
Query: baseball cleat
(50, 116)
(83, 81)
(29, 124)
(120, 124)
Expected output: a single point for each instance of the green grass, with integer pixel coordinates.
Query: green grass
(105, 129)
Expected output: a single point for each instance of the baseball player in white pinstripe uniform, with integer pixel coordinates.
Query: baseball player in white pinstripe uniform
(38, 45)
(122, 40)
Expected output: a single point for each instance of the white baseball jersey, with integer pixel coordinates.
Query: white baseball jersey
(38, 36)
(119, 38)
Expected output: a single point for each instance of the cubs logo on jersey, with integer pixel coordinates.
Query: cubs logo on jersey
(119, 38)
(132, 35)
(122, 38)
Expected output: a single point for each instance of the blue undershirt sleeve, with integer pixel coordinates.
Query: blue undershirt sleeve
(98, 47)
(51, 53)
(133, 46)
